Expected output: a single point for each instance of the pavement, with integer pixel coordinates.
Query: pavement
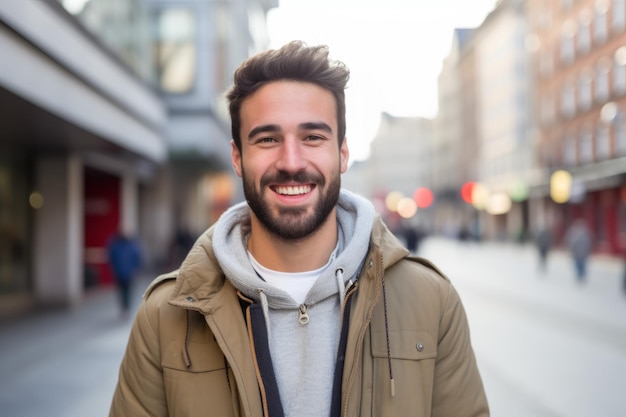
(546, 344)
(65, 362)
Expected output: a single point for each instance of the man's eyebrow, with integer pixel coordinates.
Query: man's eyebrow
(263, 129)
(315, 126)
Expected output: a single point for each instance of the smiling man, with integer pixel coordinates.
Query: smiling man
(299, 301)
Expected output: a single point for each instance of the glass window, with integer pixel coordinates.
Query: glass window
(569, 150)
(584, 92)
(567, 42)
(586, 145)
(618, 16)
(600, 29)
(584, 32)
(603, 144)
(176, 50)
(602, 82)
(568, 100)
(619, 70)
(14, 220)
(620, 134)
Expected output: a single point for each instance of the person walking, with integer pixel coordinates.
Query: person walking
(578, 240)
(125, 259)
(543, 241)
(298, 301)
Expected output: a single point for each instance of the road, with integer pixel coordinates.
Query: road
(545, 345)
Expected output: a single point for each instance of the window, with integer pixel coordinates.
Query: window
(619, 70)
(584, 32)
(176, 50)
(620, 134)
(567, 42)
(603, 144)
(586, 145)
(600, 29)
(602, 81)
(568, 100)
(584, 91)
(569, 150)
(618, 16)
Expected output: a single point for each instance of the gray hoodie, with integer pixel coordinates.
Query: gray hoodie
(303, 355)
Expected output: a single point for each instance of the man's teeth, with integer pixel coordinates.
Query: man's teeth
(290, 190)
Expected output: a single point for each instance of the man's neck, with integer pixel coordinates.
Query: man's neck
(307, 254)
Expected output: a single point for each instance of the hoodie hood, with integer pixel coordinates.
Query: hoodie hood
(355, 217)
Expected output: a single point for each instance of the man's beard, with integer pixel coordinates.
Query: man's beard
(292, 223)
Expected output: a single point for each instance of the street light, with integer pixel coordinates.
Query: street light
(560, 186)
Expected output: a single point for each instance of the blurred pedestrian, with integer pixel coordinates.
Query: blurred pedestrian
(543, 241)
(578, 241)
(125, 259)
(298, 301)
(179, 248)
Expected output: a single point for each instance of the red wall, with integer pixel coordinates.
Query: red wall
(102, 218)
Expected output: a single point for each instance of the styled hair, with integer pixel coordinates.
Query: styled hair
(295, 61)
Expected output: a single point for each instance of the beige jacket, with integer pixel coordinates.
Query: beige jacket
(189, 352)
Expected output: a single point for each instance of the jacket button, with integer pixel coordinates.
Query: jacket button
(371, 263)
(190, 299)
(419, 347)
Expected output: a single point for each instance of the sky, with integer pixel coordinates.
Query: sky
(394, 49)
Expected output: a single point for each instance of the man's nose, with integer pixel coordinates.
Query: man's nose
(292, 156)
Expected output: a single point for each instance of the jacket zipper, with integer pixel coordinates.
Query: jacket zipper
(303, 314)
(359, 346)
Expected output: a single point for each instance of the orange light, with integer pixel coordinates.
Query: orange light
(423, 197)
(466, 192)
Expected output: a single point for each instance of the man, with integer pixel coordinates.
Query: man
(298, 302)
(125, 259)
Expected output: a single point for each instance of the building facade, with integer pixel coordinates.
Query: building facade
(580, 73)
(112, 119)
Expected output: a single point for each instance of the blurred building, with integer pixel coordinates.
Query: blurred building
(580, 72)
(455, 136)
(112, 117)
(485, 129)
(505, 159)
(399, 162)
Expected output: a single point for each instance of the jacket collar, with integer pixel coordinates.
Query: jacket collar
(200, 277)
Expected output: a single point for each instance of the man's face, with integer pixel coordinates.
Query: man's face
(290, 159)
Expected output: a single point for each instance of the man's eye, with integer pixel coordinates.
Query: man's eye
(313, 137)
(265, 140)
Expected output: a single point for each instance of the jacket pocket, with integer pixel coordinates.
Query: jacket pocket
(412, 355)
(404, 344)
(205, 385)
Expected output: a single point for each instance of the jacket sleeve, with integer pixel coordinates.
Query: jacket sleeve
(458, 388)
(140, 388)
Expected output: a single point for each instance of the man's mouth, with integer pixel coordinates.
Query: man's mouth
(293, 190)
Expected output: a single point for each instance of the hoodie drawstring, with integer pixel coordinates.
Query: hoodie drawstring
(266, 310)
(341, 286)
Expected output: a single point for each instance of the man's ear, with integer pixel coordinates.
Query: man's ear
(235, 156)
(344, 155)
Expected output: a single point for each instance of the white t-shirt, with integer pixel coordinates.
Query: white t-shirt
(296, 284)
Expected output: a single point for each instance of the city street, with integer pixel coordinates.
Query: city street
(546, 345)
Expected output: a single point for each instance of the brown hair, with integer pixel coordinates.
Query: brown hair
(294, 61)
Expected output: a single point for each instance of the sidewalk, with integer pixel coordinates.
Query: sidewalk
(65, 362)
(509, 272)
